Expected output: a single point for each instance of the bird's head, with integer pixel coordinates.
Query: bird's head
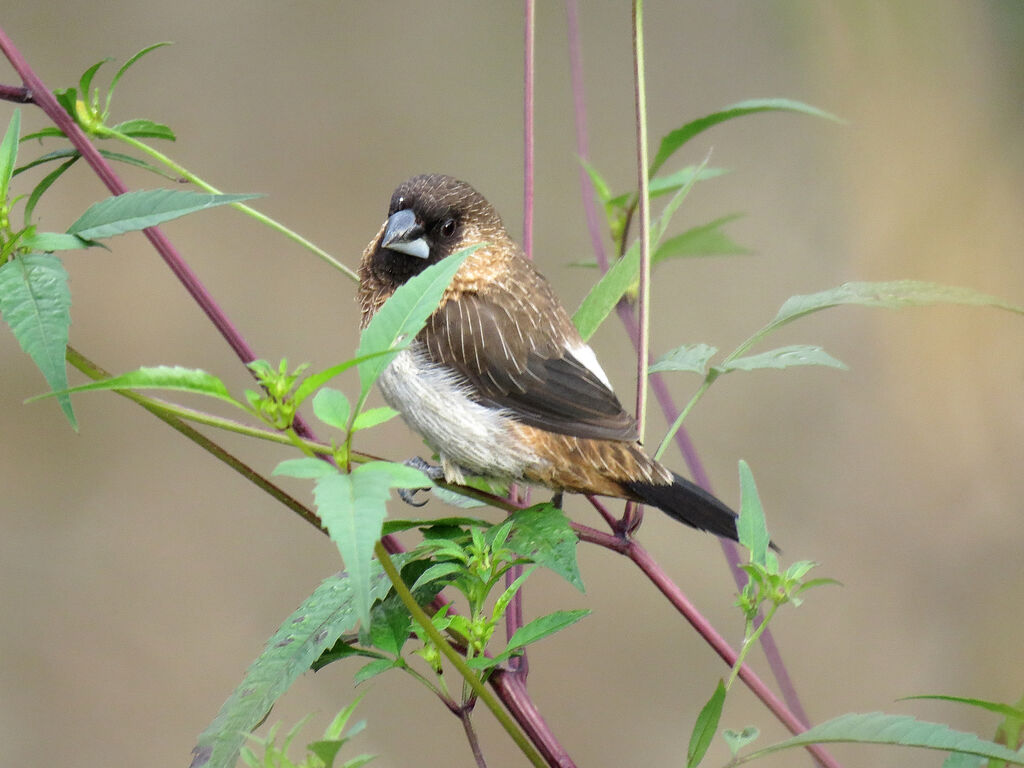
(431, 217)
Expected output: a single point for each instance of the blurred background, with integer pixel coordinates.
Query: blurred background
(140, 577)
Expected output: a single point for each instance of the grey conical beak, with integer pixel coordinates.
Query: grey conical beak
(404, 234)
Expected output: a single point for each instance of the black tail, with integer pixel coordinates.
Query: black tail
(689, 504)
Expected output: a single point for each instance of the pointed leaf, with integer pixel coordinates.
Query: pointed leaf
(992, 706)
(306, 468)
(542, 627)
(597, 181)
(45, 183)
(128, 64)
(543, 534)
(47, 242)
(404, 315)
(316, 626)
(36, 304)
(9, 155)
(144, 208)
(141, 128)
(753, 534)
(672, 141)
(705, 240)
(332, 408)
(784, 357)
(881, 728)
(85, 81)
(689, 357)
(705, 727)
(372, 417)
(373, 669)
(174, 378)
(662, 185)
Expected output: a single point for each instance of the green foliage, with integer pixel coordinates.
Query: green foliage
(36, 305)
(705, 727)
(143, 208)
(303, 637)
(319, 754)
(897, 730)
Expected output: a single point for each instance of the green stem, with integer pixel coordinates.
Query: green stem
(421, 618)
(163, 159)
(644, 303)
(748, 643)
(678, 423)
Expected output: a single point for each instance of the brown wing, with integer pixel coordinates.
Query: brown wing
(512, 345)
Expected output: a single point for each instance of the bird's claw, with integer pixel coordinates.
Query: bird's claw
(408, 495)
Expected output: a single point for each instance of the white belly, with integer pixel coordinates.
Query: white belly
(468, 436)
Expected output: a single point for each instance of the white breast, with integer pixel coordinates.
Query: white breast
(433, 400)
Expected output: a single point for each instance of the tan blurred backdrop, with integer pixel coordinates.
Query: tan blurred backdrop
(140, 577)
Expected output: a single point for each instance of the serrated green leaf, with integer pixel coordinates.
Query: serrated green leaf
(404, 315)
(961, 760)
(689, 357)
(137, 210)
(705, 727)
(753, 534)
(674, 140)
(704, 240)
(141, 128)
(318, 623)
(372, 417)
(784, 357)
(332, 408)
(9, 155)
(36, 305)
(173, 378)
(342, 650)
(352, 507)
(544, 534)
(306, 468)
(46, 242)
(902, 730)
(397, 526)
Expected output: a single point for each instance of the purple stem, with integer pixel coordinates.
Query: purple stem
(657, 382)
(642, 558)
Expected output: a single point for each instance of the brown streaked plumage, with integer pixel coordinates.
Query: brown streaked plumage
(499, 381)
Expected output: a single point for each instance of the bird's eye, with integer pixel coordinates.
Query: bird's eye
(448, 228)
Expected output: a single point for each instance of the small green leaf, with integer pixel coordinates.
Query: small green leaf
(753, 533)
(167, 377)
(881, 728)
(372, 417)
(40, 189)
(332, 408)
(662, 185)
(373, 669)
(9, 155)
(784, 357)
(674, 140)
(542, 627)
(128, 64)
(543, 534)
(141, 128)
(137, 210)
(85, 81)
(737, 740)
(437, 571)
(404, 315)
(705, 727)
(36, 304)
(597, 181)
(306, 468)
(397, 526)
(705, 240)
(689, 357)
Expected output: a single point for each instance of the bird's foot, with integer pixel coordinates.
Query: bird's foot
(408, 495)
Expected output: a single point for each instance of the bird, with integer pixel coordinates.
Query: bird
(499, 382)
